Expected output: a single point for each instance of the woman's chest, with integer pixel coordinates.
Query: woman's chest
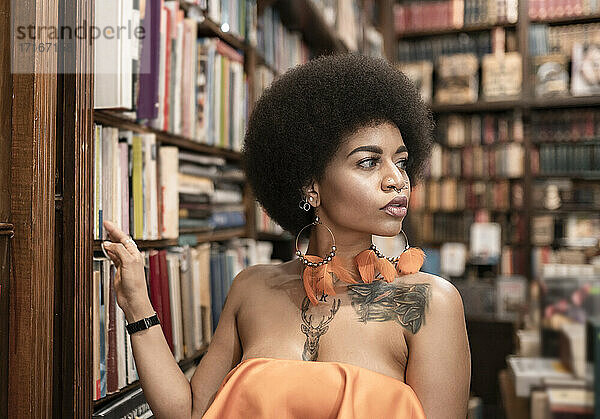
(278, 324)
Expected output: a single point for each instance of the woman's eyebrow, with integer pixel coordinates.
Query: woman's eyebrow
(375, 149)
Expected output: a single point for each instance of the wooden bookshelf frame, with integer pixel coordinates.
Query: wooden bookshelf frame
(28, 130)
(450, 31)
(74, 228)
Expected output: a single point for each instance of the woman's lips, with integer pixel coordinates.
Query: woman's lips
(395, 211)
(396, 207)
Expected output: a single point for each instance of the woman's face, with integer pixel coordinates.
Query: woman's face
(358, 182)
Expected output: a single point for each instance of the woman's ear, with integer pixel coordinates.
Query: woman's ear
(311, 192)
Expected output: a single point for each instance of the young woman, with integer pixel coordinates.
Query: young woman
(341, 331)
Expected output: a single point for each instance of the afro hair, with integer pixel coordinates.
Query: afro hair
(300, 121)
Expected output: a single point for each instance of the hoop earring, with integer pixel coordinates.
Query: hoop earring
(328, 257)
(409, 261)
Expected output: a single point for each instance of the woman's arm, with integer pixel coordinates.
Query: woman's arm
(439, 360)
(225, 350)
(166, 388)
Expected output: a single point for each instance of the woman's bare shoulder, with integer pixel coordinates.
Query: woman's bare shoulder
(260, 274)
(435, 283)
(442, 299)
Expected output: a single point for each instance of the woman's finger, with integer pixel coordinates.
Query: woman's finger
(119, 250)
(114, 232)
(117, 235)
(112, 256)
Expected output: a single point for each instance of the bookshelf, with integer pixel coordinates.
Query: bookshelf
(47, 147)
(527, 103)
(533, 34)
(63, 162)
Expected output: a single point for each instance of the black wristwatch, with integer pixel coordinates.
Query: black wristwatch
(143, 324)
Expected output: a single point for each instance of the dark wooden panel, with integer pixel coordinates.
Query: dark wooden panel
(32, 211)
(73, 234)
(5, 144)
(490, 342)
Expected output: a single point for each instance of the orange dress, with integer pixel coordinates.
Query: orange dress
(294, 389)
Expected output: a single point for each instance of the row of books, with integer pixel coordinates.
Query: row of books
(569, 230)
(435, 228)
(555, 77)
(450, 194)
(430, 48)
(264, 223)
(572, 159)
(280, 47)
(238, 17)
(450, 261)
(549, 39)
(514, 261)
(457, 79)
(458, 130)
(187, 288)
(149, 194)
(564, 194)
(549, 9)
(565, 125)
(170, 79)
(348, 18)
(499, 297)
(550, 263)
(506, 160)
(452, 14)
(513, 228)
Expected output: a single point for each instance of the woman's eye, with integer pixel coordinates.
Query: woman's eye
(402, 164)
(362, 163)
(367, 163)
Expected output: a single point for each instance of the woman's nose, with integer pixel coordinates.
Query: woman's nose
(396, 183)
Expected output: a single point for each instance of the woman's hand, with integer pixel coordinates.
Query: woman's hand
(130, 280)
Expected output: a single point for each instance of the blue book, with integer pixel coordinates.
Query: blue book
(432, 261)
(214, 288)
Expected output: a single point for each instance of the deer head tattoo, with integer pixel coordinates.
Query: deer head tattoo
(313, 333)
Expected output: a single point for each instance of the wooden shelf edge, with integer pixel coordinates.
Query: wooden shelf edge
(111, 118)
(183, 364)
(564, 102)
(201, 237)
(260, 60)
(216, 235)
(460, 211)
(568, 19)
(504, 105)
(303, 16)
(143, 244)
(209, 27)
(450, 31)
(593, 176)
(500, 105)
(265, 235)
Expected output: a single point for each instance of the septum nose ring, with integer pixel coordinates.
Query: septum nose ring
(396, 189)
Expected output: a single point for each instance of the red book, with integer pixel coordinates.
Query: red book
(112, 371)
(155, 289)
(166, 302)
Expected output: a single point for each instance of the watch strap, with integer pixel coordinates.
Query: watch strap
(143, 324)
